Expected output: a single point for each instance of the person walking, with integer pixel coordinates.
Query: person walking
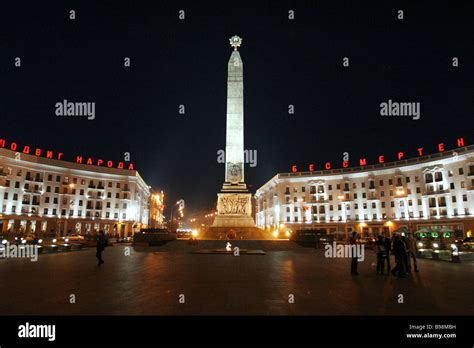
(101, 245)
(399, 252)
(411, 247)
(381, 254)
(353, 243)
(406, 257)
(388, 247)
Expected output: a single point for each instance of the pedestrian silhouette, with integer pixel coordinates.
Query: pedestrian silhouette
(101, 244)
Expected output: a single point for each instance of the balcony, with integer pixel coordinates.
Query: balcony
(126, 189)
(320, 200)
(437, 192)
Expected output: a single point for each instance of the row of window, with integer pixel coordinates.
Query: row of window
(67, 180)
(36, 189)
(347, 196)
(432, 202)
(429, 178)
(433, 212)
(71, 212)
(46, 199)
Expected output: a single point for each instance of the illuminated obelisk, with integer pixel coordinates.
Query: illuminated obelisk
(234, 202)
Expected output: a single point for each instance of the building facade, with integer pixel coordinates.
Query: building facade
(434, 191)
(156, 219)
(48, 196)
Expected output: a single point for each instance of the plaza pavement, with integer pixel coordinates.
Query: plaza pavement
(150, 281)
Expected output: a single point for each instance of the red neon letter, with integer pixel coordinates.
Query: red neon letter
(13, 146)
(345, 164)
(49, 154)
(99, 162)
(60, 155)
(38, 152)
(89, 161)
(328, 165)
(78, 159)
(400, 155)
(109, 164)
(311, 167)
(26, 149)
(381, 159)
(130, 166)
(2, 142)
(441, 147)
(120, 165)
(420, 151)
(362, 161)
(460, 142)
(294, 169)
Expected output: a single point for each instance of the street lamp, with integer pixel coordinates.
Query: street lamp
(401, 193)
(181, 204)
(341, 197)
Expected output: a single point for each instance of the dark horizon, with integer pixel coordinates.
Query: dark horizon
(184, 62)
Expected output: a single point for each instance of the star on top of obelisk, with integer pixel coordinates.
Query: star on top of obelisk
(235, 41)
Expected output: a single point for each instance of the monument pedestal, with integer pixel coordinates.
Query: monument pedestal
(234, 209)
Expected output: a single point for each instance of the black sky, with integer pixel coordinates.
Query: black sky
(286, 62)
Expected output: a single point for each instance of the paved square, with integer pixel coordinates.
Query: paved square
(149, 282)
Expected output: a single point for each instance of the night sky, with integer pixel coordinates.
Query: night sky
(176, 62)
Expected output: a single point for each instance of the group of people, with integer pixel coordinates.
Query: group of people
(403, 249)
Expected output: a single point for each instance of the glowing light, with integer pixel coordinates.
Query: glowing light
(194, 233)
(436, 245)
(288, 234)
(275, 233)
(420, 244)
(228, 246)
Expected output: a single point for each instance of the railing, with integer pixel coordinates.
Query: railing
(437, 192)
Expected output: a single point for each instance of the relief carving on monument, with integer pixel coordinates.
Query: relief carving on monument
(233, 205)
(234, 172)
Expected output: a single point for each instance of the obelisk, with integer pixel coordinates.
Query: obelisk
(234, 202)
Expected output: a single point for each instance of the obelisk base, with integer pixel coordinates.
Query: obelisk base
(234, 209)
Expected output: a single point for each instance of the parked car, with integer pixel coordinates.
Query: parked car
(468, 243)
(73, 237)
(369, 242)
(30, 238)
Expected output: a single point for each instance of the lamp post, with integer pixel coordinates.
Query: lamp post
(172, 209)
(343, 209)
(401, 193)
